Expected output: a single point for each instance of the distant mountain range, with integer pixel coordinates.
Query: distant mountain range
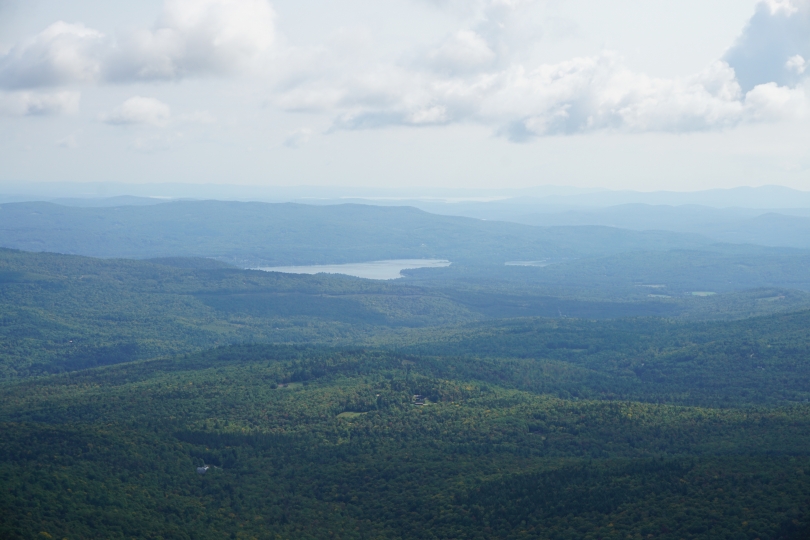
(266, 234)
(90, 194)
(769, 215)
(736, 225)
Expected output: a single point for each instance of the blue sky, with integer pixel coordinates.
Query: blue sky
(457, 93)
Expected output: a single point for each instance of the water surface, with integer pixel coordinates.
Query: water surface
(370, 270)
(541, 264)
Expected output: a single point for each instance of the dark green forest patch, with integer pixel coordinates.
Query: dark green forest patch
(112, 452)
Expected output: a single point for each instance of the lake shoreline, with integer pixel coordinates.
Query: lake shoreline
(379, 270)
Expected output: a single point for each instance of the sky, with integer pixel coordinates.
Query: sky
(628, 94)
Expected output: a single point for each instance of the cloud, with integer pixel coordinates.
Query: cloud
(477, 74)
(196, 37)
(472, 76)
(139, 110)
(298, 138)
(787, 7)
(61, 54)
(796, 64)
(576, 96)
(771, 43)
(24, 103)
(768, 102)
(588, 94)
(68, 142)
(465, 51)
(191, 38)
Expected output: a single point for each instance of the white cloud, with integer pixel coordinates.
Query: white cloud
(473, 77)
(796, 64)
(788, 7)
(428, 115)
(463, 52)
(191, 38)
(576, 96)
(776, 34)
(24, 103)
(61, 54)
(139, 110)
(769, 101)
(588, 94)
(196, 37)
(476, 74)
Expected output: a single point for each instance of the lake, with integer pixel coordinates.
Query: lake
(541, 264)
(370, 270)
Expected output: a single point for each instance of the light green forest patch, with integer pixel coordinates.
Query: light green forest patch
(350, 415)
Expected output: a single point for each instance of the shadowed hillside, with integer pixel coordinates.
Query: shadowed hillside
(262, 234)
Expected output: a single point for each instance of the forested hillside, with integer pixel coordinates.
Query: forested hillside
(63, 313)
(66, 313)
(333, 443)
(752, 361)
(636, 275)
(593, 262)
(263, 234)
(445, 407)
(776, 227)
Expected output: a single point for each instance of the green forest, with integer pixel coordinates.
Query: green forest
(188, 398)
(307, 442)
